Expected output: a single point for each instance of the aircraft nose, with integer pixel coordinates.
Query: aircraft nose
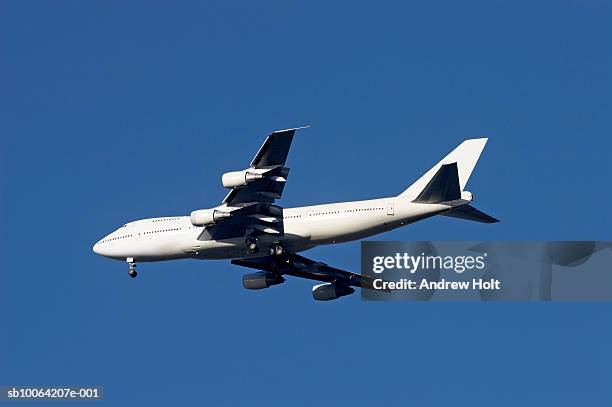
(102, 249)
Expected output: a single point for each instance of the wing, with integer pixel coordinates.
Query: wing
(252, 212)
(269, 161)
(299, 266)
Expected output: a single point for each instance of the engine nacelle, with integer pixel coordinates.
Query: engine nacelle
(203, 217)
(261, 279)
(570, 253)
(237, 179)
(327, 292)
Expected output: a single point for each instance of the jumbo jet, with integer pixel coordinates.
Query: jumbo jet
(252, 231)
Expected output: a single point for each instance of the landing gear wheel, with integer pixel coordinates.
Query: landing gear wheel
(132, 272)
(276, 250)
(251, 244)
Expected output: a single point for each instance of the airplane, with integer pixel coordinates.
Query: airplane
(249, 229)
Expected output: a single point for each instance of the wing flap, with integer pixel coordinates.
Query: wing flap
(266, 189)
(252, 220)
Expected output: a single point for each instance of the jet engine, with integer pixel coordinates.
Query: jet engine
(237, 179)
(327, 292)
(261, 279)
(203, 217)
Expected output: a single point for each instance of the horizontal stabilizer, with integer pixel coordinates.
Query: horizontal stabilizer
(443, 186)
(468, 212)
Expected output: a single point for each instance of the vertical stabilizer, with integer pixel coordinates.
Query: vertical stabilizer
(465, 156)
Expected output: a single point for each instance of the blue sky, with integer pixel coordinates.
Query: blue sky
(111, 112)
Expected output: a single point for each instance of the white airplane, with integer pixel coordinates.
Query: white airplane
(249, 229)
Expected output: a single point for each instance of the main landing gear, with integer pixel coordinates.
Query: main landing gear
(251, 244)
(132, 272)
(276, 250)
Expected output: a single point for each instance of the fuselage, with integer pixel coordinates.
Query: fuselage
(175, 237)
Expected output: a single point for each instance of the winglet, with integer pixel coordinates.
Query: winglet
(292, 129)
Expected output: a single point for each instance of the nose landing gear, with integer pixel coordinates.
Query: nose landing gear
(132, 272)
